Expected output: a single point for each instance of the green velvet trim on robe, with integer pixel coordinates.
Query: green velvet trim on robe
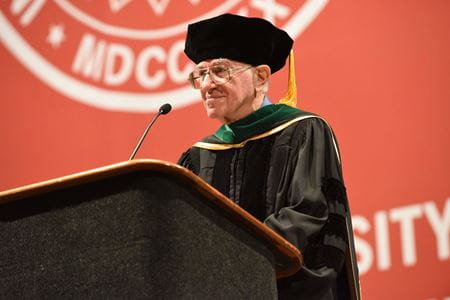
(262, 120)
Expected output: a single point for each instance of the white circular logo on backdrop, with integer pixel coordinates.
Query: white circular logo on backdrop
(125, 55)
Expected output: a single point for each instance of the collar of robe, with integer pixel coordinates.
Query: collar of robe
(265, 121)
(257, 122)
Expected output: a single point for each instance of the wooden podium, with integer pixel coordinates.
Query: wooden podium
(136, 229)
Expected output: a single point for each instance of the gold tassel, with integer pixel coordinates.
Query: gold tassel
(291, 95)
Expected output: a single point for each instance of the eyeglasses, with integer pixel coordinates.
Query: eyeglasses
(218, 73)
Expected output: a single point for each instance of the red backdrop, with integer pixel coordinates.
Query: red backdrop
(80, 81)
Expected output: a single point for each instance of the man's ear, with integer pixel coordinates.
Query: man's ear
(261, 76)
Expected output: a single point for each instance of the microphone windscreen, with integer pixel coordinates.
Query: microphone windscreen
(165, 108)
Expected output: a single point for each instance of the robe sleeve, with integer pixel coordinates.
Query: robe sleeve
(311, 209)
(190, 160)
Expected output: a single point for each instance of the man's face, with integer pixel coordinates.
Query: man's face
(230, 101)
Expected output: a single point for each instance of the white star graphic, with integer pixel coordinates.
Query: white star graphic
(158, 6)
(56, 35)
(117, 5)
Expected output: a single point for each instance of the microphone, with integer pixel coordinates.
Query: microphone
(163, 110)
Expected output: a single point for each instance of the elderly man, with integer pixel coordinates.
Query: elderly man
(279, 163)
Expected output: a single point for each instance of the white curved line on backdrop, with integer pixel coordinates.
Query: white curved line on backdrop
(304, 16)
(137, 34)
(82, 92)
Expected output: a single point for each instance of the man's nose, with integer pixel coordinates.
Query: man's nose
(207, 80)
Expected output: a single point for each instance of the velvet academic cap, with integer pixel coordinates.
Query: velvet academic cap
(253, 41)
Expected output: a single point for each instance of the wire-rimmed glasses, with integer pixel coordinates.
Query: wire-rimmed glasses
(218, 73)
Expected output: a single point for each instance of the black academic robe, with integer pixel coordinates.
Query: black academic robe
(289, 177)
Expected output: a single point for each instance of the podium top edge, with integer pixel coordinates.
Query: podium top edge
(89, 175)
